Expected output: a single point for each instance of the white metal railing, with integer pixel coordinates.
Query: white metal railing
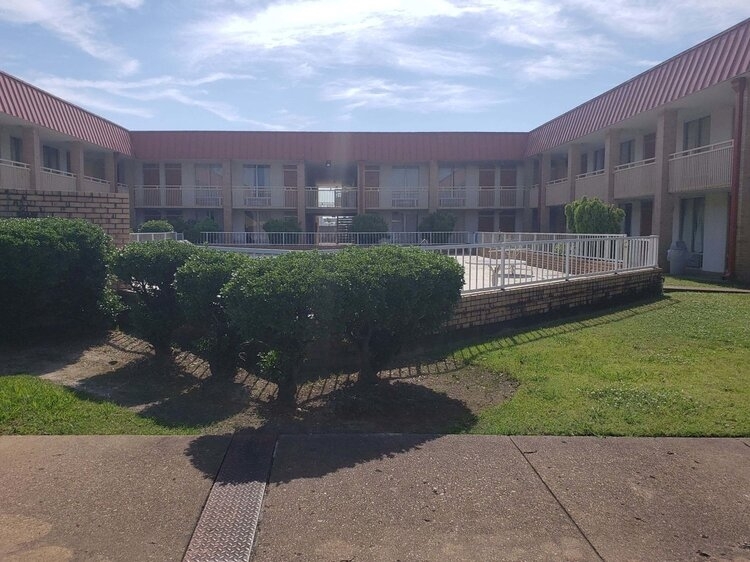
(591, 174)
(246, 197)
(395, 197)
(155, 236)
(96, 185)
(502, 237)
(490, 267)
(308, 239)
(333, 197)
(558, 180)
(557, 191)
(635, 179)
(503, 197)
(177, 196)
(705, 167)
(122, 188)
(452, 197)
(57, 180)
(14, 175)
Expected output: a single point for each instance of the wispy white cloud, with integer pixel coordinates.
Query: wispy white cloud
(73, 22)
(423, 97)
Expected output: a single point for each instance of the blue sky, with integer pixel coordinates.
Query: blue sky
(344, 65)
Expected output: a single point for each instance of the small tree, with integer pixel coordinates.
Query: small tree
(199, 281)
(278, 303)
(386, 296)
(593, 216)
(149, 268)
(439, 222)
(277, 227)
(193, 229)
(369, 222)
(156, 226)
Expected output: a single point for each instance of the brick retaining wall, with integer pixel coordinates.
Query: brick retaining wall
(493, 307)
(110, 211)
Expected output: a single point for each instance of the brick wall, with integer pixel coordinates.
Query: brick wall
(111, 211)
(495, 307)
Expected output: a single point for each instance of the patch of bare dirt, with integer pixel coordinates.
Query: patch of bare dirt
(419, 397)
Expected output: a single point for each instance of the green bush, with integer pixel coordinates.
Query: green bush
(193, 229)
(199, 281)
(369, 223)
(277, 227)
(149, 268)
(593, 216)
(54, 276)
(156, 226)
(278, 303)
(436, 227)
(385, 296)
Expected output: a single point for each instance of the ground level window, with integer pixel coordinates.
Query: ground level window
(691, 223)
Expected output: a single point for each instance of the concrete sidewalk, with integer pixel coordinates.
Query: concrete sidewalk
(374, 497)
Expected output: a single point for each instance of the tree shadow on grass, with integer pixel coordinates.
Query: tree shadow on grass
(383, 421)
(41, 356)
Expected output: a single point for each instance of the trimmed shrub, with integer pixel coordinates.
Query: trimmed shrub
(156, 226)
(439, 222)
(276, 227)
(54, 276)
(369, 222)
(199, 281)
(593, 216)
(386, 296)
(149, 268)
(278, 303)
(193, 229)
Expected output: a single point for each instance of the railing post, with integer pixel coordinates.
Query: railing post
(502, 266)
(567, 248)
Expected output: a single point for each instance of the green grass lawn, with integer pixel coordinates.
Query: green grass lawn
(679, 366)
(31, 406)
(674, 281)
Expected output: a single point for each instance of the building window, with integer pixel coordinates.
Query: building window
(696, 133)
(173, 175)
(691, 223)
(649, 146)
(584, 163)
(486, 221)
(208, 175)
(598, 160)
(372, 176)
(16, 149)
(486, 177)
(290, 176)
(508, 176)
(405, 176)
(450, 176)
(151, 175)
(627, 152)
(50, 157)
(255, 175)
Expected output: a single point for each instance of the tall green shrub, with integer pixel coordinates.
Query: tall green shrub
(593, 216)
(386, 296)
(156, 226)
(193, 229)
(53, 276)
(149, 268)
(199, 281)
(278, 303)
(435, 227)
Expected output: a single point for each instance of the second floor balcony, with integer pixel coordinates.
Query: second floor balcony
(244, 197)
(396, 197)
(333, 197)
(592, 184)
(14, 175)
(558, 192)
(476, 197)
(635, 179)
(177, 197)
(703, 168)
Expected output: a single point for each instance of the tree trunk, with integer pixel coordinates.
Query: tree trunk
(368, 374)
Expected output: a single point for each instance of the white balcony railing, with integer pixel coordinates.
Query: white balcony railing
(452, 197)
(178, 196)
(333, 197)
(558, 192)
(57, 180)
(591, 184)
(95, 185)
(14, 175)
(635, 179)
(509, 197)
(703, 168)
(244, 197)
(396, 197)
(306, 239)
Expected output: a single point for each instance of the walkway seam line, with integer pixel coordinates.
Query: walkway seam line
(556, 499)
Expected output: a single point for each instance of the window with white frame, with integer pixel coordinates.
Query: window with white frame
(256, 175)
(209, 175)
(696, 133)
(151, 175)
(405, 183)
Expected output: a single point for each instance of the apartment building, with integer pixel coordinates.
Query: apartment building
(670, 146)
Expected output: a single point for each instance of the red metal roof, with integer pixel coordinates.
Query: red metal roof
(22, 100)
(322, 146)
(716, 60)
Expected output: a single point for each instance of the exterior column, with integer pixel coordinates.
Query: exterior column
(544, 174)
(611, 160)
(76, 163)
(742, 254)
(574, 168)
(130, 172)
(663, 212)
(527, 181)
(110, 170)
(433, 192)
(32, 155)
(301, 197)
(360, 187)
(226, 191)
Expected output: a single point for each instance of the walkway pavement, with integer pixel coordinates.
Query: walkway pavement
(374, 497)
